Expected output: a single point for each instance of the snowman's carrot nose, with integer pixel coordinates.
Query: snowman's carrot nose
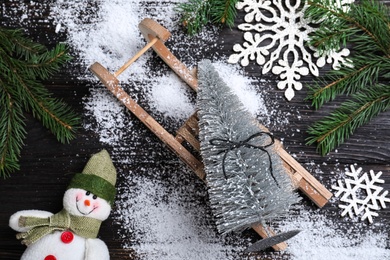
(87, 203)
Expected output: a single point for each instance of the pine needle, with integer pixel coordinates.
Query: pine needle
(334, 129)
(12, 133)
(224, 11)
(23, 64)
(197, 13)
(365, 27)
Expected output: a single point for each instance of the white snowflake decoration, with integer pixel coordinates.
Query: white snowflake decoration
(357, 201)
(280, 31)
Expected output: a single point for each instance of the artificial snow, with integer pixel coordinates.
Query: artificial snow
(244, 88)
(160, 219)
(323, 239)
(171, 96)
(170, 228)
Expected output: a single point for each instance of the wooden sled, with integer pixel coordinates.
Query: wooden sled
(156, 35)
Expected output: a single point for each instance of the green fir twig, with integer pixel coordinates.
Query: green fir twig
(23, 64)
(365, 26)
(197, 13)
(224, 11)
(334, 129)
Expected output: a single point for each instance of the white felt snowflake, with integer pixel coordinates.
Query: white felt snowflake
(278, 29)
(361, 195)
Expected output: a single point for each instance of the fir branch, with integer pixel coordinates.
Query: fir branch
(347, 80)
(332, 131)
(373, 18)
(326, 39)
(46, 64)
(12, 132)
(368, 17)
(14, 43)
(197, 13)
(224, 11)
(365, 25)
(23, 64)
(54, 114)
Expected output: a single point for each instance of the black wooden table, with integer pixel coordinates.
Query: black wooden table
(47, 166)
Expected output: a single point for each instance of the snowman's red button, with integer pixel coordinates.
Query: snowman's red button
(67, 237)
(50, 257)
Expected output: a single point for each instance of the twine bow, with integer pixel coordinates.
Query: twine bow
(229, 145)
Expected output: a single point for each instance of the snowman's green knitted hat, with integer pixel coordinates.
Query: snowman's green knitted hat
(98, 177)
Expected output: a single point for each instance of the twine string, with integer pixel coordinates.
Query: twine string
(230, 145)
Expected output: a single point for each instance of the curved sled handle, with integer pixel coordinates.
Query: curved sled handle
(151, 30)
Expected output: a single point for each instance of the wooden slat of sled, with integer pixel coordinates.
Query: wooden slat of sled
(156, 34)
(112, 84)
(302, 179)
(309, 185)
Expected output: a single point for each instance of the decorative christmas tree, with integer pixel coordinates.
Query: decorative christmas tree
(366, 26)
(197, 13)
(246, 177)
(22, 64)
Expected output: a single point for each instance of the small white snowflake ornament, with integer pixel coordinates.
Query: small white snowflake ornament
(361, 194)
(276, 35)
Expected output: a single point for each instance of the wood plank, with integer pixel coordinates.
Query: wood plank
(112, 84)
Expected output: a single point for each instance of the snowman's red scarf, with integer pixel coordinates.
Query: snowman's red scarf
(82, 226)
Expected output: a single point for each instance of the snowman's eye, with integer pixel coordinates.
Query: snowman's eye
(87, 193)
(94, 197)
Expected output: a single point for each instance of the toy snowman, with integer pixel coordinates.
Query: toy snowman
(71, 233)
